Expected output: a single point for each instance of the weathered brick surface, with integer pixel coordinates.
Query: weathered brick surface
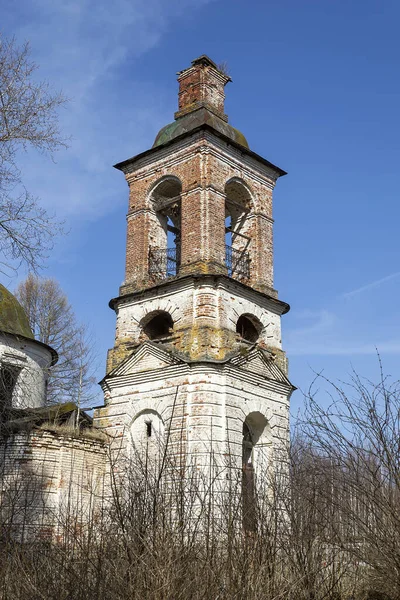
(205, 312)
(202, 85)
(204, 165)
(202, 406)
(50, 479)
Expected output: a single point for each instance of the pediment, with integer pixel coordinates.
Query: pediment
(261, 363)
(148, 357)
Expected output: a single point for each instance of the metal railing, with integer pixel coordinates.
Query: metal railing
(164, 262)
(238, 262)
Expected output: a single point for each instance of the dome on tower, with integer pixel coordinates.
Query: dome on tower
(13, 318)
(195, 119)
(201, 102)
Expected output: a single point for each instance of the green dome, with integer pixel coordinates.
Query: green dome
(195, 119)
(13, 318)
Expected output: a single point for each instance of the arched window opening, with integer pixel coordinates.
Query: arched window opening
(157, 325)
(249, 328)
(165, 237)
(147, 437)
(8, 379)
(256, 436)
(237, 240)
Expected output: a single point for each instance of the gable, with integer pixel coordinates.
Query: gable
(147, 357)
(261, 363)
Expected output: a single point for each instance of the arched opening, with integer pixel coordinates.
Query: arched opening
(256, 436)
(8, 379)
(237, 240)
(249, 328)
(165, 235)
(147, 436)
(157, 324)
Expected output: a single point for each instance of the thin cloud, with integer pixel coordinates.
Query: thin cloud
(81, 48)
(370, 286)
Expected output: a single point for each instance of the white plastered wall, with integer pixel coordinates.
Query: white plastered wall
(32, 359)
(220, 306)
(203, 408)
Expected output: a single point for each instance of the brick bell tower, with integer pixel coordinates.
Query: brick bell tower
(197, 357)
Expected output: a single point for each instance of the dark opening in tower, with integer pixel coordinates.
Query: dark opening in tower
(249, 328)
(248, 483)
(165, 234)
(157, 324)
(237, 240)
(8, 379)
(256, 443)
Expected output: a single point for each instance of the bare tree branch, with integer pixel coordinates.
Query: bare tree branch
(28, 119)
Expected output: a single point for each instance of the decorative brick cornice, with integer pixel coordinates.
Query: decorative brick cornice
(127, 166)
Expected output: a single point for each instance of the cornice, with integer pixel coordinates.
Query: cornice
(136, 161)
(185, 369)
(187, 281)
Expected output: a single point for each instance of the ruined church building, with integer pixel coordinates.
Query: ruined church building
(197, 359)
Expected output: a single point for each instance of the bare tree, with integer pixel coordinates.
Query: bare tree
(356, 439)
(28, 119)
(53, 322)
(161, 529)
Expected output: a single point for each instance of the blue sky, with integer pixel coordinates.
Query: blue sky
(315, 90)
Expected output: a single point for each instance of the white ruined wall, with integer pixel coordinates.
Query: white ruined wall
(48, 479)
(202, 406)
(32, 359)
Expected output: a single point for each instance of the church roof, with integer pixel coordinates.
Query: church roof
(13, 318)
(195, 119)
(201, 101)
(63, 419)
(201, 108)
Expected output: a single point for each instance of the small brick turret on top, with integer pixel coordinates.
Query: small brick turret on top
(202, 85)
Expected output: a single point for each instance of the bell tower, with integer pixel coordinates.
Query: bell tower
(197, 357)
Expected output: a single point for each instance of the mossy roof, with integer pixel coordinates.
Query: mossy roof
(13, 318)
(194, 119)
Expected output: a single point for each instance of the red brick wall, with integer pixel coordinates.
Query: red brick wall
(202, 85)
(203, 171)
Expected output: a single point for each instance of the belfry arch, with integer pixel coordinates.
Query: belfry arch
(238, 202)
(165, 228)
